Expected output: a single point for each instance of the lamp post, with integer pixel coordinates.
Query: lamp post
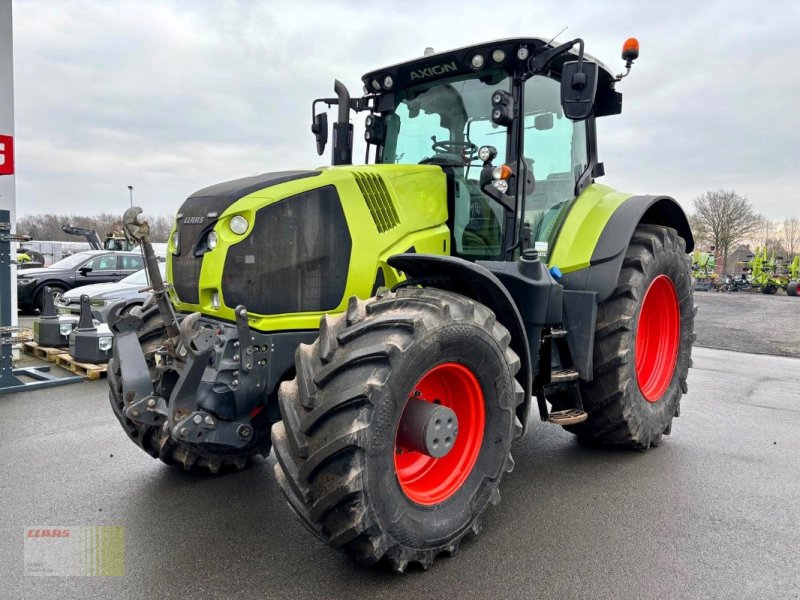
(130, 189)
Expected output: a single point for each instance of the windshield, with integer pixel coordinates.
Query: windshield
(445, 123)
(140, 276)
(71, 262)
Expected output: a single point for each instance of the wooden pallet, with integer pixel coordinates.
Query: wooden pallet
(87, 370)
(48, 354)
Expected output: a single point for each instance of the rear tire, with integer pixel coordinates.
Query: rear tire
(339, 464)
(156, 441)
(769, 289)
(636, 391)
(791, 289)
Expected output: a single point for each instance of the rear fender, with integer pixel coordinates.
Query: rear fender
(476, 282)
(609, 251)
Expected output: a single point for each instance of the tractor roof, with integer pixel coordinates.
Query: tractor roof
(459, 62)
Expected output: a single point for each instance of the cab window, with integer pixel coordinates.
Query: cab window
(557, 153)
(444, 123)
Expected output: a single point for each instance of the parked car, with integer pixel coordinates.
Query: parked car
(83, 268)
(102, 296)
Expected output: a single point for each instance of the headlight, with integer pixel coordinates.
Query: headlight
(501, 184)
(487, 153)
(211, 240)
(176, 241)
(98, 303)
(498, 56)
(388, 82)
(65, 329)
(477, 61)
(238, 225)
(523, 53)
(25, 281)
(104, 343)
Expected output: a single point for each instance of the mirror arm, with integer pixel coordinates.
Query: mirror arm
(540, 62)
(504, 200)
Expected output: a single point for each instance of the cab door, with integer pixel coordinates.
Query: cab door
(556, 151)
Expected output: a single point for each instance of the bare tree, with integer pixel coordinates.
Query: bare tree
(727, 217)
(700, 231)
(791, 236)
(48, 227)
(160, 227)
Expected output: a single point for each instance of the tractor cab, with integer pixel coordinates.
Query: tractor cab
(514, 137)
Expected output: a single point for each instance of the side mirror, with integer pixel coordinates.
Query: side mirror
(543, 121)
(320, 130)
(578, 88)
(84, 270)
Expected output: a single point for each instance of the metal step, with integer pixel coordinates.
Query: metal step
(558, 333)
(564, 376)
(567, 417)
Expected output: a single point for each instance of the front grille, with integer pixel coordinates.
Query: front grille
(380, 204)
(296, 259)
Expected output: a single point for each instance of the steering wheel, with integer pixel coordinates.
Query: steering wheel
(466, 149)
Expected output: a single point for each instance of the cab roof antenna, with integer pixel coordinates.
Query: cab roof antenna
(556, 35)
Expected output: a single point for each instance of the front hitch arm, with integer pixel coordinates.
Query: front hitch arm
(187, 423)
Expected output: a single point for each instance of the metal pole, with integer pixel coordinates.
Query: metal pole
(130, 189)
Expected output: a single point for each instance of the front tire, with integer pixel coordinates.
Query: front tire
(340, 464)
(643, 345)
(791, 288)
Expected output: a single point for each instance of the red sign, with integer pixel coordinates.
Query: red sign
(6, 155)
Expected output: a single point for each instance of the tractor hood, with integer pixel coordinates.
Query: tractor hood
(200, 211)
(295, 245)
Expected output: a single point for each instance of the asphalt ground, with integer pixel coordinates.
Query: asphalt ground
(748, 322)
(714, 512)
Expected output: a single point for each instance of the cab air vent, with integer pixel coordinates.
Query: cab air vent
(378, 201)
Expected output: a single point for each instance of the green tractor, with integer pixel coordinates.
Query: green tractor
(771, 274)
(704, 265)
(387, 327)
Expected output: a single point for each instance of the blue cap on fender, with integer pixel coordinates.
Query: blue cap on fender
(556, 272)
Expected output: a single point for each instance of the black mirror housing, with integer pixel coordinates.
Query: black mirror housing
(578, 88)
(320, 130)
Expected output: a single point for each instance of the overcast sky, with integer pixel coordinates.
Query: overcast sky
(173, 96)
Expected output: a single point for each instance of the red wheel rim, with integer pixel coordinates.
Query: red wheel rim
(658, 337)
(427, 480)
